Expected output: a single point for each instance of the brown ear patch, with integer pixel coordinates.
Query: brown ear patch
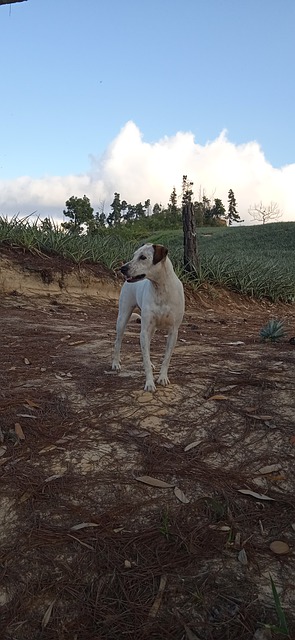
(160, 253)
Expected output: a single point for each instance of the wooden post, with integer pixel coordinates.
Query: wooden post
(190, 253)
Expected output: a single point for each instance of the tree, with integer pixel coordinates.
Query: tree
(80, 212)
(187, 192)
(218, 209)
(114, 217)
(232, 214)
(264, 213)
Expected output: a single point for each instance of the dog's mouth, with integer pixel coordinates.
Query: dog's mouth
(136, 278)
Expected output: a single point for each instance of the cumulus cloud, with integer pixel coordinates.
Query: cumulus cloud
(139, 170)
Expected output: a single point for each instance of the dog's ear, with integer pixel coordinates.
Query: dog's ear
(160, 253)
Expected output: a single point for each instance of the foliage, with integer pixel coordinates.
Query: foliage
(256, 261)
(274, 330)
(80, 212)
(232, 213)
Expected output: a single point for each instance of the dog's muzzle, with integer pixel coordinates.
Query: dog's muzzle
(125, 269)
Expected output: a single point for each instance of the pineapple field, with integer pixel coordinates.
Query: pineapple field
(126, 514)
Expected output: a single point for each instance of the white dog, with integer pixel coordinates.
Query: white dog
(153, 286)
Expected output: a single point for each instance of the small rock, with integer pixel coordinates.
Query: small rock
(279, 547)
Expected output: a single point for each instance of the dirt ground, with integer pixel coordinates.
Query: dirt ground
(89, 551)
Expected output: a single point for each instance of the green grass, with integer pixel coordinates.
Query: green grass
(257, 260)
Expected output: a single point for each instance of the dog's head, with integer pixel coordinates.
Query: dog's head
(145, 262)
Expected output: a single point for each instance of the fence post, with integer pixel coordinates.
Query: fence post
(190, 252)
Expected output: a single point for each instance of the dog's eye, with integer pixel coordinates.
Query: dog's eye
(142, 257)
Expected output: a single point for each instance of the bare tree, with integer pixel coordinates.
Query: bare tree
(264, 213)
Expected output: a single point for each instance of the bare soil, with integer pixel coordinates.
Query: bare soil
(88, 551)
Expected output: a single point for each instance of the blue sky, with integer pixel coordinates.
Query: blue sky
(73, 74)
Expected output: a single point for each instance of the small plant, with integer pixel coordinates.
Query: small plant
(282, 627)
(273, 331)
(165, 525)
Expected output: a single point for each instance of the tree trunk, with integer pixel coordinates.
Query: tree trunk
(190, 253)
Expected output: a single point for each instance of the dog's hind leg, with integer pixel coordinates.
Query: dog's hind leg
(125, 311)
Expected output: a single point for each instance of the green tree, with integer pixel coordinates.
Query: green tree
(80, 212)
(218, 210)
(114, 217)
(187, 192)
(232, 213)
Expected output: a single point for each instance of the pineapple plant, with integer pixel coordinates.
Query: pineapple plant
(274, 330)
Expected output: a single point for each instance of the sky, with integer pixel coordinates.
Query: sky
(127, 96)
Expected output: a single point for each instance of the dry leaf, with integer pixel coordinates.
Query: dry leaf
(49, 448)
(2, 451)
(256, 417)
(259, 496)
(26, 415)
(19, 432)
(154, 482)
(220, 527)
(158, 599)
(180, 495)
(26, 496)
(83, 525)
(292, 440)
(32, 404)
(127, 564)
(270, 469)
(47, 615)
(192, 444)
(219, 396)
(242, 557)
(73, 344)
(55, 477)
(279, 547)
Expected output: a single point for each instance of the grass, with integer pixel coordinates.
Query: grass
(257, 261)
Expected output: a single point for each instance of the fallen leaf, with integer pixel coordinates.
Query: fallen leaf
(242, 557)
(83, 525)
(259, 496)
(19, 432)
(190, 634)
(292, 440)
(293, 526)
(55, 477)
(73, 344)
(32, 404)
(2, 451)
(47, 615)
(220, 527)
(154, 482)
(270, 469)
(26, 496)
(180, 495)
(251, 409)
(219, 396)
(158, 599)
(262, 417)
(49, 448)
(279, 547)
(26, 415)
(192, 445)
(127, 564)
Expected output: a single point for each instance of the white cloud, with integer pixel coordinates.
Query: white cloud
(139, 170)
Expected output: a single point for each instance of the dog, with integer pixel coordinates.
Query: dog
(152, 286)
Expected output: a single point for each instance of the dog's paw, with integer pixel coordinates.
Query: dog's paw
(150, 386)
(116, 366)
(163, 380)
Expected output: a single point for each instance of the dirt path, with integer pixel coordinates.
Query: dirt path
(88, 551)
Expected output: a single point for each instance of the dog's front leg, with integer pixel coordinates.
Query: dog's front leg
(121, 326)
(171, 342)
(145, 342)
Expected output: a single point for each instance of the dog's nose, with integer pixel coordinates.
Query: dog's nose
(124, 269)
